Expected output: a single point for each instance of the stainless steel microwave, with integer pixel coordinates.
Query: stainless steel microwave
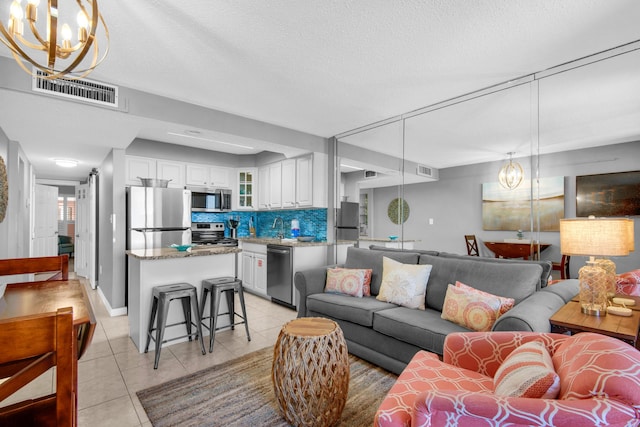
(210, 200)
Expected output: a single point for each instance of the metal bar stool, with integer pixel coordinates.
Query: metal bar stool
(162, 297)
(216, 286)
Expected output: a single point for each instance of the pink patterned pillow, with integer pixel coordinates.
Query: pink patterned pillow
(366, 286)
(527, 372)
(629, 278)
(345, 281)
(470, 308)
(506, 304)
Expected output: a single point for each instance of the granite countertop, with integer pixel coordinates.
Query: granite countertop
(386, 239)
(285, 242)
(169, 253)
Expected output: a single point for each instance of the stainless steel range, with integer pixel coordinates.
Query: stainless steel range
(210, 233)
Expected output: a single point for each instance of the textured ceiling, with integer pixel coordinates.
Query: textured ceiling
(326, 67)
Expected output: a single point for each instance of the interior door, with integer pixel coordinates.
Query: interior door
(85, 232)
(45, 241)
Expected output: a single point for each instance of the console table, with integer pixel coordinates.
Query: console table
(515, 250)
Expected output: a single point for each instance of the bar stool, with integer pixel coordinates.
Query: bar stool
(216, 286)
(162, 297)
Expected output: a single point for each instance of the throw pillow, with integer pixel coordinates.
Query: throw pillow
(344, 281)
(366, 286)
(471, 309)
(527, 372)
(506, 304)
(404, 284)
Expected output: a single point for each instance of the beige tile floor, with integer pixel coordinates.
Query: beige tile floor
(112, 370)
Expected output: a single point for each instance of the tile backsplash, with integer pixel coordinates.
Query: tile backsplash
(313, 222)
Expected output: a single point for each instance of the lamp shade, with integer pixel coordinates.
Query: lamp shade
(596, 236)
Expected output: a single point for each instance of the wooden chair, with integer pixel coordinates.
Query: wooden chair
(472, 245)
(30, 346)
(562, 266)
(59, 264)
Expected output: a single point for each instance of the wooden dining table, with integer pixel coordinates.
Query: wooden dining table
(515, 250)
(29, 298)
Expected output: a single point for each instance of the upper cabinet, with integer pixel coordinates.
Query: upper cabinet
(247, 197)
(139, 167)
(293, 183)
(208, 176)
(173, 171)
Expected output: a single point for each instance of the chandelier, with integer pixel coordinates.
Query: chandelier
(511, 174)
(53, 42)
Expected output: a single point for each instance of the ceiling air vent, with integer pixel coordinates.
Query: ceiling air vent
(82, 90)
(370, 174)
(427, 171)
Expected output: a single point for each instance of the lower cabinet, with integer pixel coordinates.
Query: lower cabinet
(254, 269)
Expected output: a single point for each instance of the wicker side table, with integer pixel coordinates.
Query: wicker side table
(310, 372)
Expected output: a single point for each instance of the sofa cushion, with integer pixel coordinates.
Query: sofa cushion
(496, 278)
(545, 275)
(471, 308)
(345, 281)
(424, 329)
(404, 284)
(527, 372)
(364, 258)
(506, 304)
(356, 310)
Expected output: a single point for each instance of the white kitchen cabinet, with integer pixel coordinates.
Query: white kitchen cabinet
(142, 167)
(263, 187)
(208, 176)
(304, 181)
(246, 189)
(173, 171)
(270, 186)
(254, 268)
(275, 185)
(288, 183)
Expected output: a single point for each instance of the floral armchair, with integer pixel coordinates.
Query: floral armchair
(599, 384)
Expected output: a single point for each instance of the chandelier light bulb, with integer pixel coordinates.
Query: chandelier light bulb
(66, 32)
(16, 10)
(83, 21)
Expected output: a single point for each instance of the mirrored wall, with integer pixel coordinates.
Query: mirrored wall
(421, 176)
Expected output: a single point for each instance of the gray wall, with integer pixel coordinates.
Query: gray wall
(111, 229)
(455, 202)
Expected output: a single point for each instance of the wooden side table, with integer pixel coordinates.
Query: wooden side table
(310, 372)
(570, 319)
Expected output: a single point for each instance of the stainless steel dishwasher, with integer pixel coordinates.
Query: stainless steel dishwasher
(280, 275)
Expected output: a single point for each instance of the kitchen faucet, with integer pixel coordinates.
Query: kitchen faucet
(280, 234)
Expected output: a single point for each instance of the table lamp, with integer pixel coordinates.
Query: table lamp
(596, 237)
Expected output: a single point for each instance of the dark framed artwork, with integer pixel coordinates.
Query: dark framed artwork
(609, 194)
(510, 210)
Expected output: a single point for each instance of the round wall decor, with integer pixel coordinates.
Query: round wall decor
(4, 189)
(398, 211)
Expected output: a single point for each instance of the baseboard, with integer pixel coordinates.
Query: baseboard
(113, 312)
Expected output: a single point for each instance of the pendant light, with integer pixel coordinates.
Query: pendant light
(511, 174)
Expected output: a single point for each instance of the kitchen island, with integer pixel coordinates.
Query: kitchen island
(163, 266)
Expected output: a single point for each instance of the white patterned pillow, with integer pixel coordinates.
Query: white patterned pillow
(404, 284)
(346, 281)
(527, 372)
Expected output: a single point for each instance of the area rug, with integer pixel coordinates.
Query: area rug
(240, 393)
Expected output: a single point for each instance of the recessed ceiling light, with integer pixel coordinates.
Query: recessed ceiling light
(66, 163)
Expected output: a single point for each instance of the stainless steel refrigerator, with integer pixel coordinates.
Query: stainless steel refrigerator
(158, 217)
(347, 221)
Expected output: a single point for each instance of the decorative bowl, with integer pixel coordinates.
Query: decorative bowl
(181, 248)
(393, 237)
(306, 238)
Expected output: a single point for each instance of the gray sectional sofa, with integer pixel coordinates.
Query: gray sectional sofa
(389, 335)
